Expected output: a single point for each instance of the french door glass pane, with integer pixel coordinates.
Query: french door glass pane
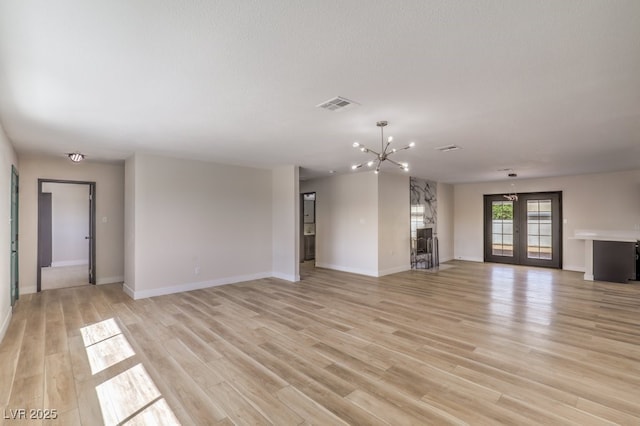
(539, 229)
(502, 228)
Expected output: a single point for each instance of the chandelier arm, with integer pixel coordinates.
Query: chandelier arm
(395, 162)
(372, 151)
(386, 147)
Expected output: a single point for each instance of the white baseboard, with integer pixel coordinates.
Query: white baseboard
(162, 291)
(28, 289)
(128, 291)
(78, 262)
(371, 273)
(573, 268)
(286, 277)
(588, 277)
(109, 280)
(5, 324)
(470, 259)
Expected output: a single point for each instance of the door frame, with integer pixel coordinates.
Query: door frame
(302, 223)
(14, 264)
(92, 227)
(519, 223)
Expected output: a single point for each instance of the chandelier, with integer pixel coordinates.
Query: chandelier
(512, 196)
(385, 152)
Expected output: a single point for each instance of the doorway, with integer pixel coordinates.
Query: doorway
(524, 229)
(15, 290)
(66, 234)
(309, 227)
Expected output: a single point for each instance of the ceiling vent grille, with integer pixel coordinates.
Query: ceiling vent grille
(448, 148)
(336, 104)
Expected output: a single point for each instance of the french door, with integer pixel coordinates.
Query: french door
(524, 229)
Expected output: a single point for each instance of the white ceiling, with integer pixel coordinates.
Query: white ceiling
(542, 87)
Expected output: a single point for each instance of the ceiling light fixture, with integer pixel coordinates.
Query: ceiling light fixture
(76, 157)
(384, 153)
(512, 196)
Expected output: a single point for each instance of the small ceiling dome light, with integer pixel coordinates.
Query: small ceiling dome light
(76, 157)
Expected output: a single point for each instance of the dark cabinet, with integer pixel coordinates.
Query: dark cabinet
(309, 247)
(614, 261)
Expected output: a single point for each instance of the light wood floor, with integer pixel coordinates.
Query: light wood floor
(64, 277)
(475, 343)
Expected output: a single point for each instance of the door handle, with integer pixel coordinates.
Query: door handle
(88, 238)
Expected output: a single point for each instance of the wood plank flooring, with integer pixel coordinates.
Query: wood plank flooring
(475, 344)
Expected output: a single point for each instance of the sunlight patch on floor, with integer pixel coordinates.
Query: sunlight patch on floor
(130, 397)
(125, 394)
(109, 352)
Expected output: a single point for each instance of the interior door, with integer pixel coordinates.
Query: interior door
(45, 239)
(524, 230)
(15, 290)
(92, 233)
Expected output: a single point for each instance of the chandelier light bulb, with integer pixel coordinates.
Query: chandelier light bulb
(363, 149)
(355, 166)
(377, 171)
(356, 144)
(370, 163)
(412, 144)
(390, 139)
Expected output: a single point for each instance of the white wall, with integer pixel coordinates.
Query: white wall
(7, 159)
(607, 201)
(286, 223)
(445, 221)
(70, 223)
(130, 222)
(109, 180)
(196, 225)
(346, 222)
(393, 223)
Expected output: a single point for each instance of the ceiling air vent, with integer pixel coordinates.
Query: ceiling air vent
(448, 148)
(336, 104)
